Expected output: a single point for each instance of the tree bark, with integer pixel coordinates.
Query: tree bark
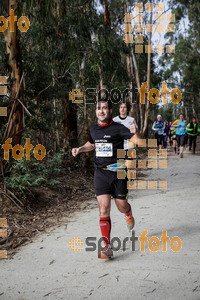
(106, 15)
(129, 70)
(15, 126)
(148, 80)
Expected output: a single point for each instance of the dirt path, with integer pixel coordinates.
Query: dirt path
(49, 269)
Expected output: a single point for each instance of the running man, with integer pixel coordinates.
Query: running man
(192, 128)
(158, 128)
(180, 133)
(106, 137)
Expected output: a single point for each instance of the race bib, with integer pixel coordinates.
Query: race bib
(160, 132)
(182, 129)
(104, 149)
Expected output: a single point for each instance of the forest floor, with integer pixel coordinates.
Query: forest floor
(47, 268)
(44, 208)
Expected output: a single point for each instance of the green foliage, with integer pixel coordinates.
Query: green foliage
(183, 67)
(32, 173)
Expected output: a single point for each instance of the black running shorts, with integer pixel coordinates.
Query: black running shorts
(180, 140)
(159, 138)
(174, 137)
(106, 182)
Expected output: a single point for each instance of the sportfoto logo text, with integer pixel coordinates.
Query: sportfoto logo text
(91, 95)
(154, 243)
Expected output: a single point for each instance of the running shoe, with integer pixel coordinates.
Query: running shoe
(105, 252)
(130, 222)
(181, 155)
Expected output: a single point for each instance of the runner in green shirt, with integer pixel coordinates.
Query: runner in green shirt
(193, 129)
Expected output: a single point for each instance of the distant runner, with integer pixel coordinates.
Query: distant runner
(174, 139)
(166, 131)
(125, 120)
(193, 129)
(158, 128)
(180, 133)
(106, 137)
(171, 134)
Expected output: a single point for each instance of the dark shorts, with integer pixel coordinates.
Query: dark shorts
(174, 137)
(106, 182)
(159, 138)
(180, 140)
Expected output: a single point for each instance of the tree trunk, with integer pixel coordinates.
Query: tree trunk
(106, 15)
(148, 80)
(65, 122)
(129, 70)
(137, 79)
(15, 126)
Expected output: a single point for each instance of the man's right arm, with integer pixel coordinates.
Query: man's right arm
(154, 127)
(85, 148)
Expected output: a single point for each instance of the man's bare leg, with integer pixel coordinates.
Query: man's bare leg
(104, 205)
(124, 207)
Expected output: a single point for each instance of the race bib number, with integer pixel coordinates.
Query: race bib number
(182, 129)
(160, 132)
(104, 149)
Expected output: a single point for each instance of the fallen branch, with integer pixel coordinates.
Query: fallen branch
(15, 197)
(24, 107)
(11, 199)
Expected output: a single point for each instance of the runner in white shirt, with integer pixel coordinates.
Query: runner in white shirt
(125, 120)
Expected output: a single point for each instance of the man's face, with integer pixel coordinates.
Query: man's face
(193, 120)
(102, 112)
(181, 117)
(123, 110)
(159, 119)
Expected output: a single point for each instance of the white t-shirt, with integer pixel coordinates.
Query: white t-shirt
(127, 123)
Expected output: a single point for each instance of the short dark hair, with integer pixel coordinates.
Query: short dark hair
(107, 101)
(128, 105)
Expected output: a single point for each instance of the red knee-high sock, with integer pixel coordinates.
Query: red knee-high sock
(129, 212)
(105, 226)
